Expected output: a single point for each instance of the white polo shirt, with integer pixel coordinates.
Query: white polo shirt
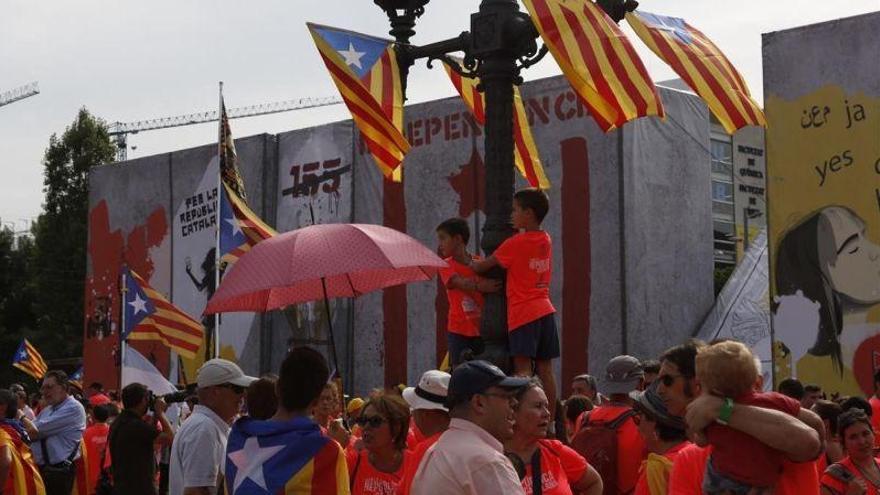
(198, 453)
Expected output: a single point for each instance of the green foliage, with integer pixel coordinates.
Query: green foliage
(16, 294)
(61, 234)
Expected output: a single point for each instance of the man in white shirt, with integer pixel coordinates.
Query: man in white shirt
(468, 459)
(199, 448)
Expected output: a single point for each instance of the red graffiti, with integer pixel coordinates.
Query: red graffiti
(470, 184)
(108, 250)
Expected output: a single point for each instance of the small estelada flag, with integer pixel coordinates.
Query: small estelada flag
(29, 360)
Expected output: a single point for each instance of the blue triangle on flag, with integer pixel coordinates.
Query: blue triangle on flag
(359, 51)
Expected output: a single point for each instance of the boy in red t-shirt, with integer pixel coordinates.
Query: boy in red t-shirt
(739, 462)
(463, 290)
(527, 257)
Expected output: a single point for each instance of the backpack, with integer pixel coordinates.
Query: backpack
(597, 443)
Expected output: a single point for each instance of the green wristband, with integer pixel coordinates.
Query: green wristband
(725, 412)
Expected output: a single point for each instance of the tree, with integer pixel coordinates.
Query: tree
(16, 314)
(61, 234)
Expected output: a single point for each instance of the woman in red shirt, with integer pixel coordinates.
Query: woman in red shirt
(858, 473)
(664, 437)
(560, 469)
(378, 468)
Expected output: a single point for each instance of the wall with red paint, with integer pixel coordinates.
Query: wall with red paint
(619, 202)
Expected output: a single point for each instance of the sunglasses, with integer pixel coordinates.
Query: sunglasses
(237, 389)
(372, 421)
(668, 380)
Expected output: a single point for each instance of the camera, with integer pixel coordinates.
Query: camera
(172, 398)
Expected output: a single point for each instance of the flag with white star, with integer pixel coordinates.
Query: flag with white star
(150, 316)
(28, 360)
(76, 378)
(364, 69)
(283, 457)
(240, 227)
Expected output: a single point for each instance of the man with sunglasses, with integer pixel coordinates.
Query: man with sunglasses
(799, 438)
(199, 448)
(468, 458)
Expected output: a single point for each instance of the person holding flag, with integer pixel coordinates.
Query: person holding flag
(288, 454)
(18, 472)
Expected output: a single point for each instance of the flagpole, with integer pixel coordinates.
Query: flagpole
(220, 145)
(123, 291)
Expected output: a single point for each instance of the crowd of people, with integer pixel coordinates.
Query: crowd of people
(695, 420)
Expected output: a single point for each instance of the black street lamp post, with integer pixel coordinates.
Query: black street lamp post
(501, 42)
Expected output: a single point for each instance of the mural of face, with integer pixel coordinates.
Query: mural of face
(851, 262)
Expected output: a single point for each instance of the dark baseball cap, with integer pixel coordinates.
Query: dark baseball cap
(474, 377)
(622, 375)
(651, 403)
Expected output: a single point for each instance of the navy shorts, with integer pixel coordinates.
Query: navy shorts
(536, 339)
(457, 344)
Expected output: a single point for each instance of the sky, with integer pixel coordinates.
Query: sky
(128, 61)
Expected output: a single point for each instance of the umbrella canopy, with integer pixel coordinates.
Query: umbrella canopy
(352, 259)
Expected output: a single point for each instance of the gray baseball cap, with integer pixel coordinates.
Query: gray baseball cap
(622, 375)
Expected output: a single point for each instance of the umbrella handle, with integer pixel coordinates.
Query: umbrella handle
(333, 342)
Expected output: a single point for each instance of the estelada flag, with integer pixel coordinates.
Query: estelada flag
(597, 59)
(365, 71)
(150, 316)
(83, 483)
(30, 361)
(23, 477)
(702, 66)
(525, 150)
(283, 457)
(240, 227)
(229, 172)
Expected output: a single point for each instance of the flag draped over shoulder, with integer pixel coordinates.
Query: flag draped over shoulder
(229, 171)
(525, 150)
(83, 483)
(150, 316)
(597, 59)
(23, 477)
(366, 73)
(240, 227)
(283, 457)
(30, 361)
(702, 65)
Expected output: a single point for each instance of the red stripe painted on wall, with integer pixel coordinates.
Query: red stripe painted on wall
(576, 260)
(394, 304)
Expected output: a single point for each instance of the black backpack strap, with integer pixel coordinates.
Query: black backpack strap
(537, 485)
(840, 473)
(46, 460)
(621, 419)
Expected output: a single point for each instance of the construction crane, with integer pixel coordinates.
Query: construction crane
(120, 130)
(19, 93)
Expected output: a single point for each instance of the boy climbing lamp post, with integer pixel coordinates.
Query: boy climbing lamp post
(500, 44)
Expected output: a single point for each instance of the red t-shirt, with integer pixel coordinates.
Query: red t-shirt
(369, 480)
(411, 463)
(560, 466)
(528, 259)
(875, 419)
(95, 438)
(464, 305)
(688, 469)
(631, 449)
(671, 454)
(837, 486)
(763, 466)
(799, 478)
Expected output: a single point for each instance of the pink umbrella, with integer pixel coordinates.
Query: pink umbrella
(319, 262)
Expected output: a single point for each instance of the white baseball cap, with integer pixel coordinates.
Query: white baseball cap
(430, 393)
(219, 371)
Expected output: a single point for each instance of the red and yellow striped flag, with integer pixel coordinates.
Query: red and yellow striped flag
(29, 360)
(23, 476)
(365, 71)
(702, 65)
(150, 316)
(83, 483)
(525, 150)
(597, 59)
